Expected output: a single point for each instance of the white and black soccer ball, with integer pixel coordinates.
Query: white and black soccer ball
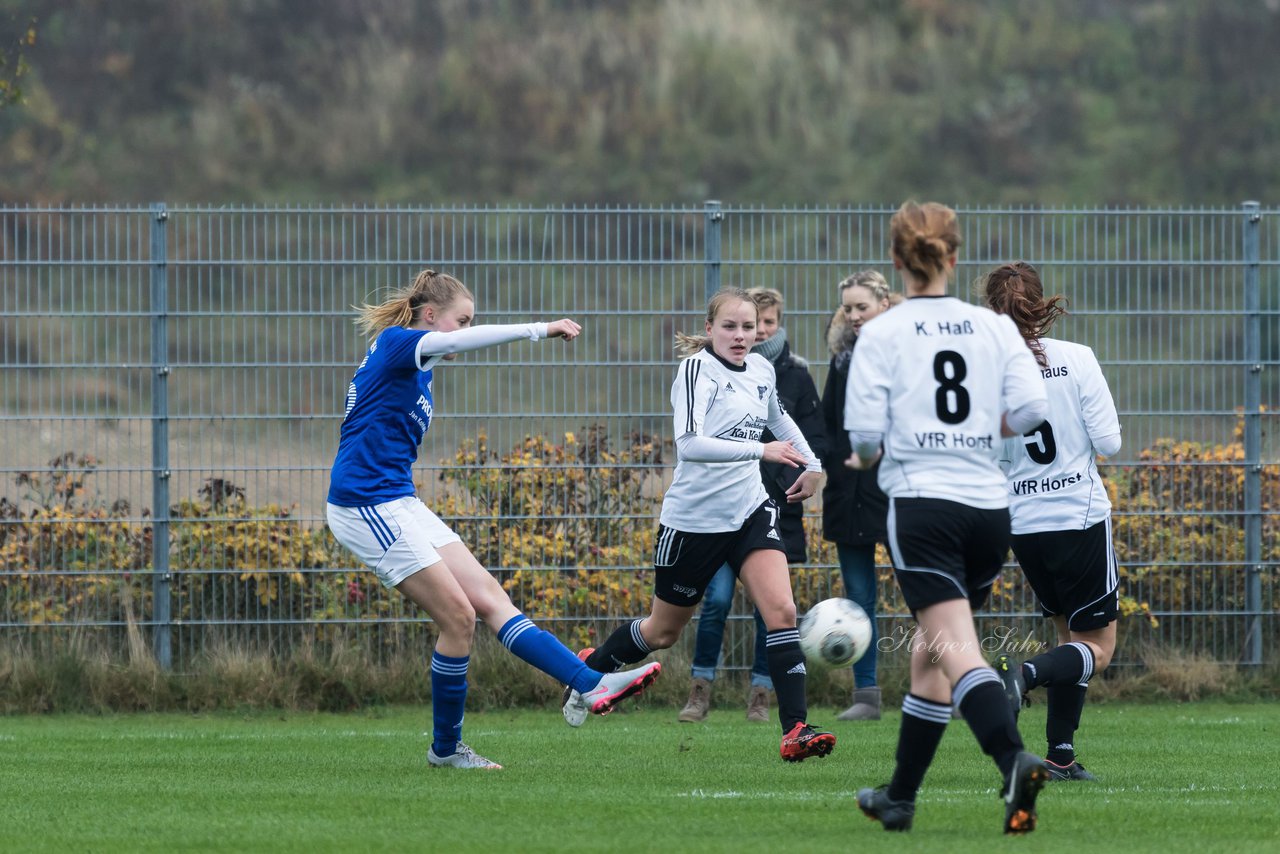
(835, 633)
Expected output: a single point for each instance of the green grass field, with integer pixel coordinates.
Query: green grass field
(1175, 777)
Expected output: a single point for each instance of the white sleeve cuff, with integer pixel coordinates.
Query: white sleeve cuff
(1107, 445)
(1025, 417)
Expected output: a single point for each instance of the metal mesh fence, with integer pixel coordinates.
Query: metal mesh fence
(173, 382)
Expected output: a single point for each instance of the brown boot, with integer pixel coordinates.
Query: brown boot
(695, 711)
(758, 704)
(866, 706)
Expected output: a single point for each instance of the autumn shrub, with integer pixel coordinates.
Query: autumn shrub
(1180, 536)
(66, 553)
(242, 559)
(568, 526)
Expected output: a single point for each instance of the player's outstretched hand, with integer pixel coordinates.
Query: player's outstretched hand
(785, 453)
(806, 486)
(857, 462)
(564, 328)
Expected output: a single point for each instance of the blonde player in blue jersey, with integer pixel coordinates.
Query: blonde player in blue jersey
(933, 387)
(374, 511)
(1061, 515)
(717, 511)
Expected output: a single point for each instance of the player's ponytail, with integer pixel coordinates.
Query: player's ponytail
(428, 288)
(687, 345)
(923, 238)
(1015, 289)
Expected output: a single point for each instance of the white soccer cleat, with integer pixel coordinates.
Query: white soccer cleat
(575, 709)
(462, 757)
(615, 687)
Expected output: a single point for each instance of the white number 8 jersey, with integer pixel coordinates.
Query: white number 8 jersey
(934, 377)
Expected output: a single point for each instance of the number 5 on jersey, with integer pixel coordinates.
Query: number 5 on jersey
(1041, 448)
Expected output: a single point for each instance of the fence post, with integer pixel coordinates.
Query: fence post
(712, 271)
(1252, 652)
(160, 578)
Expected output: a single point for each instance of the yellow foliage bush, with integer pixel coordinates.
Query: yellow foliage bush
(70, 553)
(567, 526)
(1179, 532)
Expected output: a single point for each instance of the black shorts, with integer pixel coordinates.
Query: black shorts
(945, 550)
(1073, 574)
(684, 563)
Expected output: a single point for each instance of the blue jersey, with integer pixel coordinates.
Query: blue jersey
(388, 411)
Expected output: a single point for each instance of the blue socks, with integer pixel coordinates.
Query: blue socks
(448, 701)
(545, 652)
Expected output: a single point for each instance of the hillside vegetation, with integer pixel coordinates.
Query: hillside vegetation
(753, 101)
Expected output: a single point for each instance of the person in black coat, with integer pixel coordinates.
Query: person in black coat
(799, 396)
(854, 509)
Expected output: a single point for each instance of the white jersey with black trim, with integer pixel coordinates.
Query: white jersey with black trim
(934, 376)
(721, 410)
(1054, 483)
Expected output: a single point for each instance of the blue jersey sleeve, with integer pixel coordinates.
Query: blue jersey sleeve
(399, 347)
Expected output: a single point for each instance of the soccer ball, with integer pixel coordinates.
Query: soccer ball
(835, 633)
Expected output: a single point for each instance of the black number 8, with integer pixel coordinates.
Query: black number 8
(949, 388)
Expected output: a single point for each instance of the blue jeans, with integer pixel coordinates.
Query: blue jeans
(707, 644)
(858, 569)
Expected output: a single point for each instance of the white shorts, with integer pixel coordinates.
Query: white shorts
(395, 539)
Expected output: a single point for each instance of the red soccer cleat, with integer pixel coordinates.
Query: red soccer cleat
(804, 741)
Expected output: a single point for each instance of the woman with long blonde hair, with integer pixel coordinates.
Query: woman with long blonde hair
(717, 510)
(854, 508)
(799, 396)
(373, 508)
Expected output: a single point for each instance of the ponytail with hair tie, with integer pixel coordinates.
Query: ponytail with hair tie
(429, 287)
(1015, 290)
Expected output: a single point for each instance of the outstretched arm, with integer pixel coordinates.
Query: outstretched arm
(478, 337)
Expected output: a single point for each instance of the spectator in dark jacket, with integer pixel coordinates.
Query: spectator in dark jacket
(799, 396)
(853, 507)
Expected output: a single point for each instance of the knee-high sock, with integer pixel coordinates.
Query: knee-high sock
(981, 698)
(448, 701)
(625, 646)
(544, 651)
(1069, 664)
(923, 724)
(1066, 703)
(786, 668)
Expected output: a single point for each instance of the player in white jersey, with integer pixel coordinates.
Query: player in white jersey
(1061, 514)
(933, 386)
(374, 511)
(717, 510)
(799, 396)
